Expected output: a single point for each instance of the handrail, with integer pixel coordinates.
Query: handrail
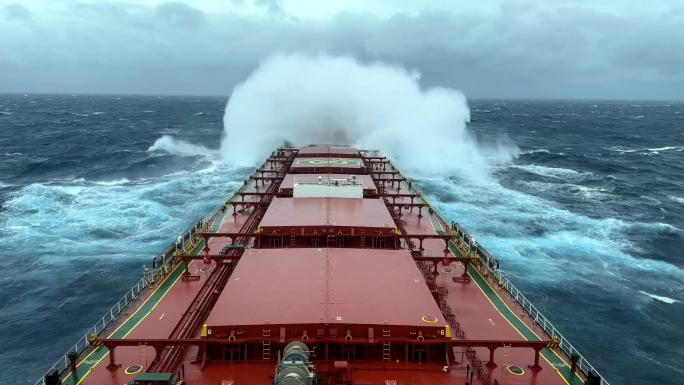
(538, 317)
(167, 264)
(63, 362)
(546, 325)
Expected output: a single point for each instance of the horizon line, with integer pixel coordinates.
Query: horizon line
(162, 95)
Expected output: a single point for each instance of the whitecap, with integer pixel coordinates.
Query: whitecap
(666, 148)
(554, 172)
(539, 151)
(676, 198)
(660, 298)
(180, 147)
(115, 182)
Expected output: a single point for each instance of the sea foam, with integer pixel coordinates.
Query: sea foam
(305, 99)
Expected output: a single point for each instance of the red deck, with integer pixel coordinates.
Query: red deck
(325, 287)
(346, 288)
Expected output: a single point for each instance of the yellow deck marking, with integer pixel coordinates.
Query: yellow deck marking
(122, 324)
(84, 360)
(506, 318)
(134, 326)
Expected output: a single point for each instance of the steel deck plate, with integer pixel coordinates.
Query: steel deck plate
(332, 286)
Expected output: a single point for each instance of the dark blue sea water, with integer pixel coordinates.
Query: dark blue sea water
(588, 219)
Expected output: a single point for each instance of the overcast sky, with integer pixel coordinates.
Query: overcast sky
(486, 48)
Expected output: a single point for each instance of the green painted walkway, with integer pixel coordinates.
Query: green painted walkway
(521, 327)
(93, 358)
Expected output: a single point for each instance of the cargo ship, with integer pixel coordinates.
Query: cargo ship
(327, 266)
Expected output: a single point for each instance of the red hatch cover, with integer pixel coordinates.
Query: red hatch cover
(325, 286)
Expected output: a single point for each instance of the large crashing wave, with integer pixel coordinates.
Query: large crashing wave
(304, 99)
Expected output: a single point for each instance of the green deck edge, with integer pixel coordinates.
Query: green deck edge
(93, 358)
(520, 326)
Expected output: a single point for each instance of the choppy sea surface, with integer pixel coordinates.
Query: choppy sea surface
(588, 219)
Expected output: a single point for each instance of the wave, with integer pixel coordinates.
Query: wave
(593, 194)
(666, 148)
(107, 219)
(179, 147)
(116, 182)
(660, 298)
(676, 198)
(646, 151)
(301, 99)
(539, 151)
(554, 172)
(542, 243)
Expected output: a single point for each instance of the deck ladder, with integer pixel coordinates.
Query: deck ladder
(386, 345)
(266, 345)
(506, 360)
(292, 237)
(142, 350)
(363, 239)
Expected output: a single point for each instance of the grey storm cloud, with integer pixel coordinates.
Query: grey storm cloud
(513, 49)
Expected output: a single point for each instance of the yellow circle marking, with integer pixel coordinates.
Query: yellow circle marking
(134, 369)
(429, 319)
(515, 370)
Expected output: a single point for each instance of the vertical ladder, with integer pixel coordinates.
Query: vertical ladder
(292, 237)
(266, 345)
(506, 359)
(142, 350)
(386, 345)
(363, 239)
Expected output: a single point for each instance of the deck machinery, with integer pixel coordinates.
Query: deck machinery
(326, 267)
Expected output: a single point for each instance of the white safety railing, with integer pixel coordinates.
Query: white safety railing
(545, 324)
(82, 343)
(492, 266)
(161, 266)
(489, 263)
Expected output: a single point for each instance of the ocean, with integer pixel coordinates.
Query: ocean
(587, 218)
